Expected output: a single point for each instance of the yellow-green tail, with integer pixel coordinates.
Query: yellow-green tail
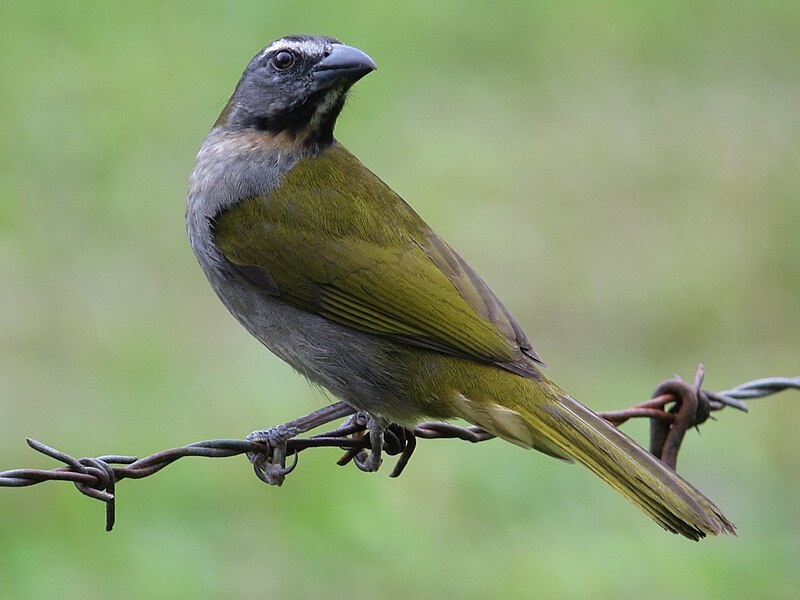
(562, 427)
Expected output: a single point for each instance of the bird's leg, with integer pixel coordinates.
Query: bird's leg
(371, 462)
(270, 465)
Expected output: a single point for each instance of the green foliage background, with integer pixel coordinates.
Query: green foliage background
(626, 175)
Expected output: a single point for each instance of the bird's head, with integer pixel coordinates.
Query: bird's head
(296, 86)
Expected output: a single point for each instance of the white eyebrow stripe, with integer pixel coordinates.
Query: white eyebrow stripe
(307, 47)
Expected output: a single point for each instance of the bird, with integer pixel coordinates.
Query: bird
(337, 275)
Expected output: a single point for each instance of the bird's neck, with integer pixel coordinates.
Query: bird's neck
(235, 164)
(308, 126)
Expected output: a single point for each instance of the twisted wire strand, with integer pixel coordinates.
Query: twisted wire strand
(97, 477)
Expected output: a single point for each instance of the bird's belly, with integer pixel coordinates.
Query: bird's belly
(368, 372)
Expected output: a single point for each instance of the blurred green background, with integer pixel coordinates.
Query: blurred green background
(626, 175)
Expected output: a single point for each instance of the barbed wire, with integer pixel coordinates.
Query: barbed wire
(674, 408)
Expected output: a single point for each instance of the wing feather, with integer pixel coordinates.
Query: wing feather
(360, 256)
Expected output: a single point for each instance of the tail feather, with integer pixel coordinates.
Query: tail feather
(563, 427)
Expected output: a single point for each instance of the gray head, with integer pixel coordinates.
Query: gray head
(296, 85)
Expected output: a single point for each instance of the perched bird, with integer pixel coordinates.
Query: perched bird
(332, 271)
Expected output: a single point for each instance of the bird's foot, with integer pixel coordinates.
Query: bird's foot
(269, 461)
(270, 464)
(370, 460)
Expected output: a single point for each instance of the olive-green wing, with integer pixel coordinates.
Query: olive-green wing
(334, 240)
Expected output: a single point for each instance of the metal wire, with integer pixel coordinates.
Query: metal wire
(675, 407)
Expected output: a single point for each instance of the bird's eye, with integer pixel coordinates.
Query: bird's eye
(283, 60)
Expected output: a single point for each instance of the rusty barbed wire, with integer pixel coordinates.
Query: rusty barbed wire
(674, 408)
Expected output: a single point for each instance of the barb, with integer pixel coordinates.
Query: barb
(675, 407)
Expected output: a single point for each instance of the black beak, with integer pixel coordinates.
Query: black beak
(343, 66)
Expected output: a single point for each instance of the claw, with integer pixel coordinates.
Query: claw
(373, 461)
(369, 462)
(270, 464)
(273, 470)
